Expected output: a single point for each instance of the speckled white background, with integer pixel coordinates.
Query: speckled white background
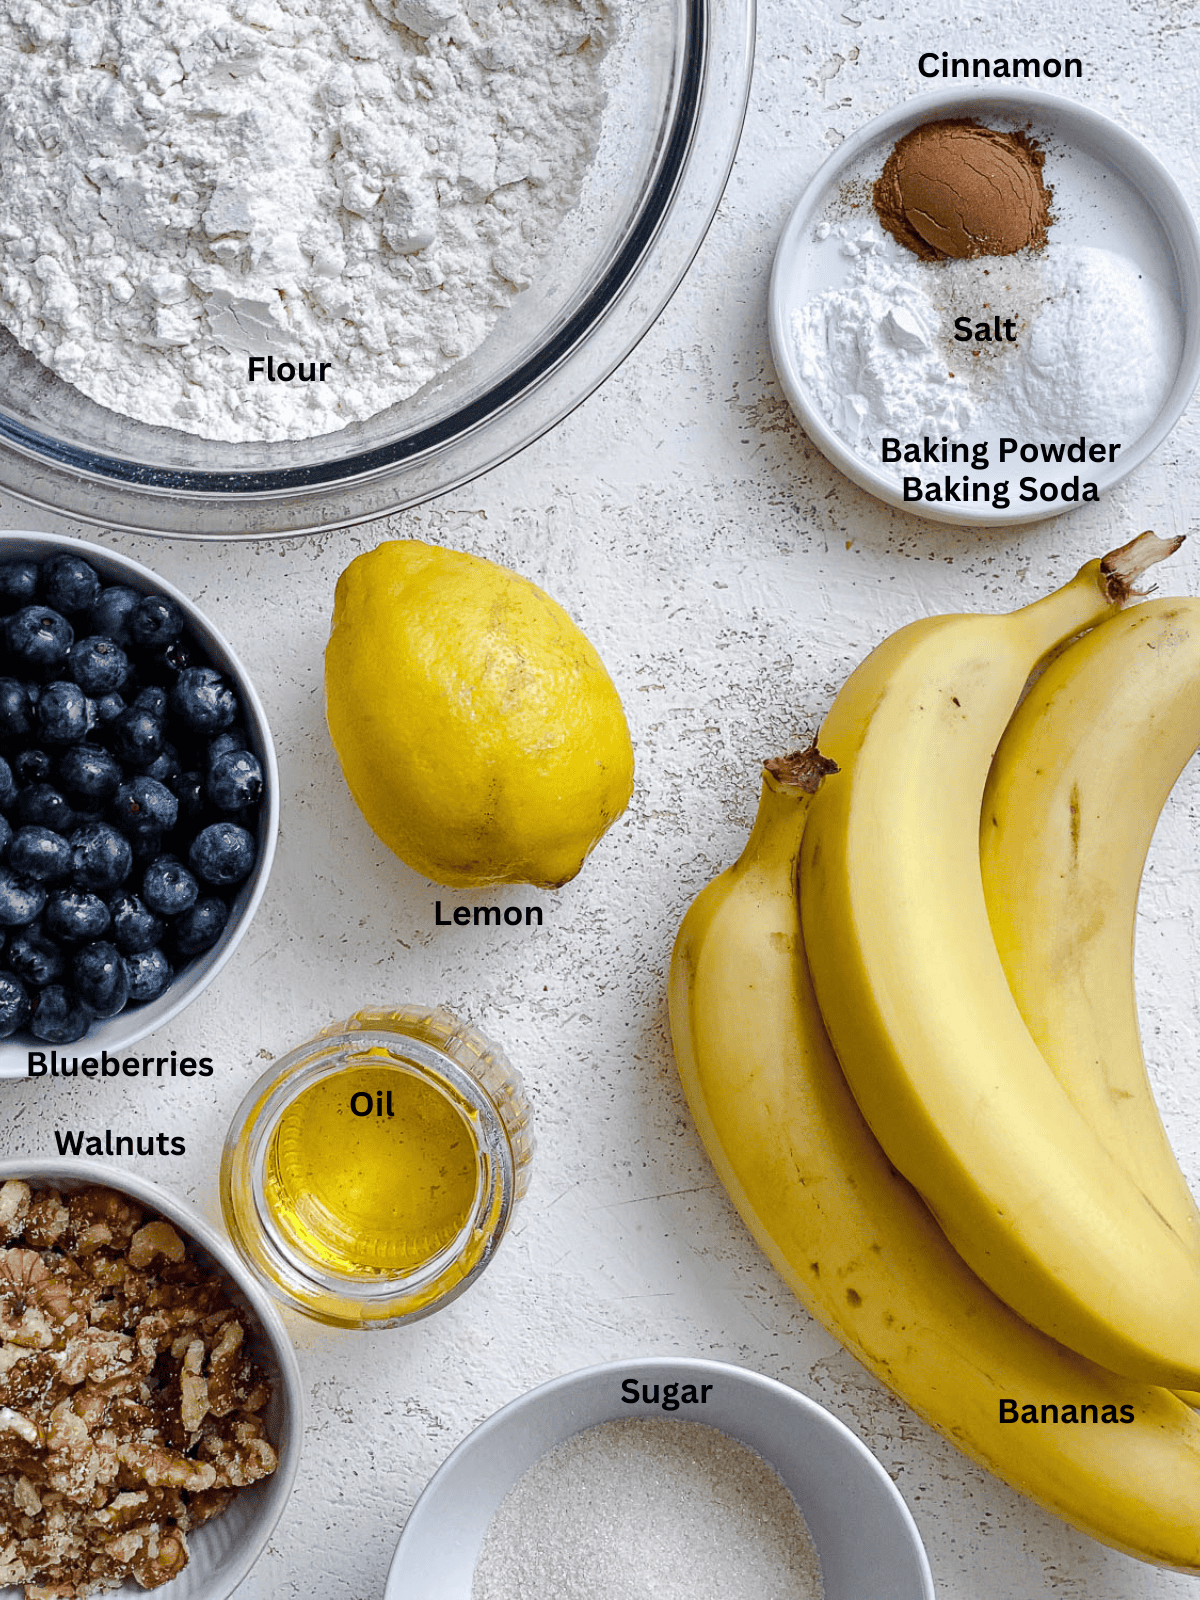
(730, 577)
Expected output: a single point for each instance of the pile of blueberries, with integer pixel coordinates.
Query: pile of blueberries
(128, 797)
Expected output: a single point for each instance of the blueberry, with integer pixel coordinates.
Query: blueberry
(58, 1017)
(232, 739)
(16, 710)
(137, 736)
(69, 584)
(222, 854)
(8, 785)
(64, 714)
(148, 972)
(39, 637)
(20, 902)
(40, 855)
(142, 804)
(40, 804)
(156, 621)
(35, 958)
(6, 834)
(100, 978)
(98, 665)
(73, 915)
(146, 847)
(189, 787)
(32, 765)
(112, 613)
(168, 887)
(165, 764)
(199, 928)
(18, 584)
(173, 657)
(89, 774)
(153, 698)
(108, 708)
(235, 779)
(203, 700)
(101, 857)
(134, 926)
(15, 1004)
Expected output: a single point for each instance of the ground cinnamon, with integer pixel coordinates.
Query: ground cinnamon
(955, 189)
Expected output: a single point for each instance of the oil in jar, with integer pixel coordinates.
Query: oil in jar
(372, 1170)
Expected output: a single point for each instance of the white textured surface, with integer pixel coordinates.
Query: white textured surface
(730, 577)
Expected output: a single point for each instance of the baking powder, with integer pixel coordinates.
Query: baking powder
(364, 185)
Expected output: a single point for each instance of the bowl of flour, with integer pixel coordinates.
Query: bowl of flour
(996, 388)
(287, 264)
(668, 1476)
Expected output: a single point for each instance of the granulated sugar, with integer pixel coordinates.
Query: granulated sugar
(648, 1508)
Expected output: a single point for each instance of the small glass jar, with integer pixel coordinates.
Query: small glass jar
(369, 1176)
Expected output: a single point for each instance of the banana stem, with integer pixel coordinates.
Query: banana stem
(1097, 590)
(1120, 568)
(788, 785)
(802, 769)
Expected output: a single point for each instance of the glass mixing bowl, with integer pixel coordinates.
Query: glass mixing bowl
(677, 79)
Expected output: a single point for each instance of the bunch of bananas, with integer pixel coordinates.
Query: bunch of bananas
(905, 1024)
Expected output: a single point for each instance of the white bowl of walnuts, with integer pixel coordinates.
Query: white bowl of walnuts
(150, 1401)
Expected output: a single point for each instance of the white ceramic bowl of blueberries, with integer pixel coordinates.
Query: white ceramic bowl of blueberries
(138, 801)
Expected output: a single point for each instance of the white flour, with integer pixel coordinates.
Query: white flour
(189, 183)
(1096, 346)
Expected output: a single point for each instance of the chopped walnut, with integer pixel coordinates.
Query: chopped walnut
(14, 1203)
(239, 1449)
(193, 1388)
(156, 1556)
(130, 1409)
(155, 1239)
(46, 1221)
(97, 1208)
(31, 1299)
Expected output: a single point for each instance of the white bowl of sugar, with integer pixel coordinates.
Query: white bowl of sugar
(694, 1473)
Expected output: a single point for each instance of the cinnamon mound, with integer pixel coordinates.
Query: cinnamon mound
(955, 190)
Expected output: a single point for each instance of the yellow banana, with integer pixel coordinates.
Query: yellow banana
(921, 1015)
(1075, 789)
(858, 1247)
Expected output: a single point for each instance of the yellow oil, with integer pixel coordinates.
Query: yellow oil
(378, 1193)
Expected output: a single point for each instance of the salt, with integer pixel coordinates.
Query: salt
(648, 1508)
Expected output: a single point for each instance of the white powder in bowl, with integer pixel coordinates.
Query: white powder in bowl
(366, 184)
(1095, 346)
(1102, 352)
(626, 1510)
(870, 352)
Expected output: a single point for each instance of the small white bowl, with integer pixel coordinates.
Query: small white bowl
(221, 1552)
(865, 1536)
(1109, 192)
(115, 1034)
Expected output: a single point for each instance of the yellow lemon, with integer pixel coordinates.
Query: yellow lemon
(476, 726)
